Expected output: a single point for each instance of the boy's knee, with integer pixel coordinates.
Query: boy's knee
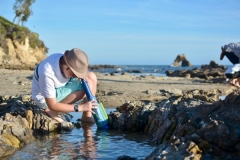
(92, 77)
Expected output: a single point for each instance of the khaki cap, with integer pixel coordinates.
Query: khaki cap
(77, 60)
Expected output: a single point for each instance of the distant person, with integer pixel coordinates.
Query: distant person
(232, 52)
(56, 85)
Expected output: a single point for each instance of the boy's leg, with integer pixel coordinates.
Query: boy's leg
(50, 113)
(74, 93)
(54, 115)
(68, 94)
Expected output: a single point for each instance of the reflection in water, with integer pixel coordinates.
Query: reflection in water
(84, 148)
(88, 146)
(86, 142)
(58, 145)
(222, 97)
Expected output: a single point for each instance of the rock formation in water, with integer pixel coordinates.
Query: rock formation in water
(184, 62)
(213, 73)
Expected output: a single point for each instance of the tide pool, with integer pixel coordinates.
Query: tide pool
(87, 142)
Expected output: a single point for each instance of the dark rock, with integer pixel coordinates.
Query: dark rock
(126, 158)
(195, 124)
(22, 121)
(181, 58)
(212, 73)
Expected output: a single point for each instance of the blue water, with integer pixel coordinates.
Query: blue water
(145, 69)
(155, 70)
(87, 142)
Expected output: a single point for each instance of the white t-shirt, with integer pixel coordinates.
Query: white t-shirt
(233, 47)
(49, 78)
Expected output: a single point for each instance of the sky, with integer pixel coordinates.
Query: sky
(135, 32)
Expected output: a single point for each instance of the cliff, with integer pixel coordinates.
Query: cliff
(19, 47)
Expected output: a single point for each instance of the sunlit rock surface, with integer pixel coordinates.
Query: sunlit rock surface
(21, 122)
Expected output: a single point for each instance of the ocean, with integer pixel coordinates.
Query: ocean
(156, 70)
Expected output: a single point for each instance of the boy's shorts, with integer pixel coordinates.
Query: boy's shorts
(74, 84)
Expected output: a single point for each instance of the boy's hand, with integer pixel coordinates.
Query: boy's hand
(89, 106)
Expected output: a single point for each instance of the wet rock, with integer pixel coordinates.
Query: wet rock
(212, 73)
(131, 116)
(124, 157)
(21, 121)
(184, 150)
(193, 125)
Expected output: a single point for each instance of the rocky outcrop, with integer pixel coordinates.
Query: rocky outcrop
(185, 125)
(181, 58)
(213, 65)
(20, 55)
(213, 72)
(190, 125)
(21, 122)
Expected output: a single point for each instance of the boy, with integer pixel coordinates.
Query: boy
(56, 84)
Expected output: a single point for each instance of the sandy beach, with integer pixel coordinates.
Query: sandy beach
(113, 91)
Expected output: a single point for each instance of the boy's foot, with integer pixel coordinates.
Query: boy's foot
(67, 126)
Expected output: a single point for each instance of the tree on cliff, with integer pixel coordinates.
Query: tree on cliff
(22, 10)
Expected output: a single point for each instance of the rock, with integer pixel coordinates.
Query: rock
(181, 58)
(212, 73)
(194, 125)
(124, 157)
(213, 64)
(184, 150)
(21, 120)
(131, 116)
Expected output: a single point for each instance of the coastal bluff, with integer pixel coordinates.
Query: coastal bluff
(19, 47)
(20, 55)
